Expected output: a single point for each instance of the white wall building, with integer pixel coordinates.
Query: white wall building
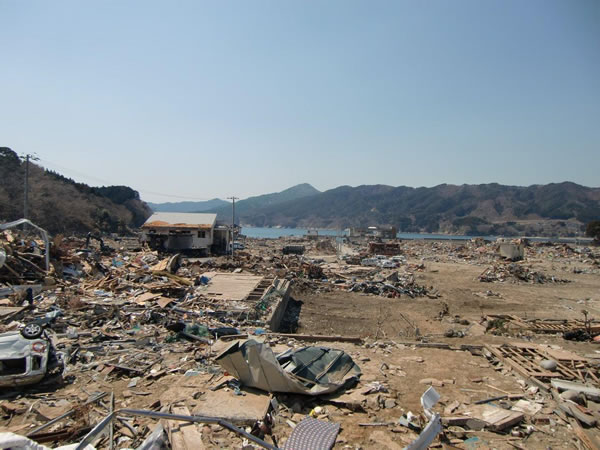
(180, 231)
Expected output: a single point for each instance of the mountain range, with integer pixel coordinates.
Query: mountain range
(61, 205)
(559, 209)
(552, 209)
(242, 207)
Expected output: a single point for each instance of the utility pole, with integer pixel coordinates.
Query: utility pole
(27, 158)
(233, 199)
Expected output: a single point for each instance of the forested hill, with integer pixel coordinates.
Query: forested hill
(552, 209)
(61, 205)
(252, 205)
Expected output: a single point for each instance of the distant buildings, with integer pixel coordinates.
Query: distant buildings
(513, 250)
(380, 231)
(384, 248)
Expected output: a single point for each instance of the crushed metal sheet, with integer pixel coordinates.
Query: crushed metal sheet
(103, 426)
(428, 400)
(309, 370)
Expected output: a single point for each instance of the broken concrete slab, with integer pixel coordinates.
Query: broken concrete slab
(241, 410)
(353, 400)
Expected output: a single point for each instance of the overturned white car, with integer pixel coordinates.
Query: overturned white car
(28, 356)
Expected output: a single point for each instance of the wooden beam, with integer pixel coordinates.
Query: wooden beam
(582, 435)
(300, 337)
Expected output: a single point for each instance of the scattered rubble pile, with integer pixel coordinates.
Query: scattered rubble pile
(325, 246)
(111, 316)
(583, 329)
(395, 286)
(517, 272)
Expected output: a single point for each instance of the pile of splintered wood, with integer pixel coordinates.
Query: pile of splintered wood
(24, 258)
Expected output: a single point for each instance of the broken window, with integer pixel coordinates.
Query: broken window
(13, 366)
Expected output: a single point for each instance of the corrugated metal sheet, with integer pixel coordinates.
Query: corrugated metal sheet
(180, 220)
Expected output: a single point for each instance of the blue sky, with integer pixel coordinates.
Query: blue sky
(195, 100)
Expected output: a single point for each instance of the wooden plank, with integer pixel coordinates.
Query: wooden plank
(523, 345)
(184, 435)
(231, 286)
(583, 415)
(569, 374)
(534, 369)
(591, 374)
(508, 361)
(526, 363)
(562, 355)
(175, 437)
(502, 419)
(538, 371)
(312, 338)
(146, 296)
(496, 419)
(516, 366)
(130, 369)
(164, 301)
(177, 279)
(582, 435)
(6, 312)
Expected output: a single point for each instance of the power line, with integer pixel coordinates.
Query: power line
(76, 172)
(142, 191)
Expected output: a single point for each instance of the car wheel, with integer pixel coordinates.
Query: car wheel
(32, 331)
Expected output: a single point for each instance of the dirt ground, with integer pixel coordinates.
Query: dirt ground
(366, 315)
(470, 378)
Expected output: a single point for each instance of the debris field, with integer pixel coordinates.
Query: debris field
(442, 344)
